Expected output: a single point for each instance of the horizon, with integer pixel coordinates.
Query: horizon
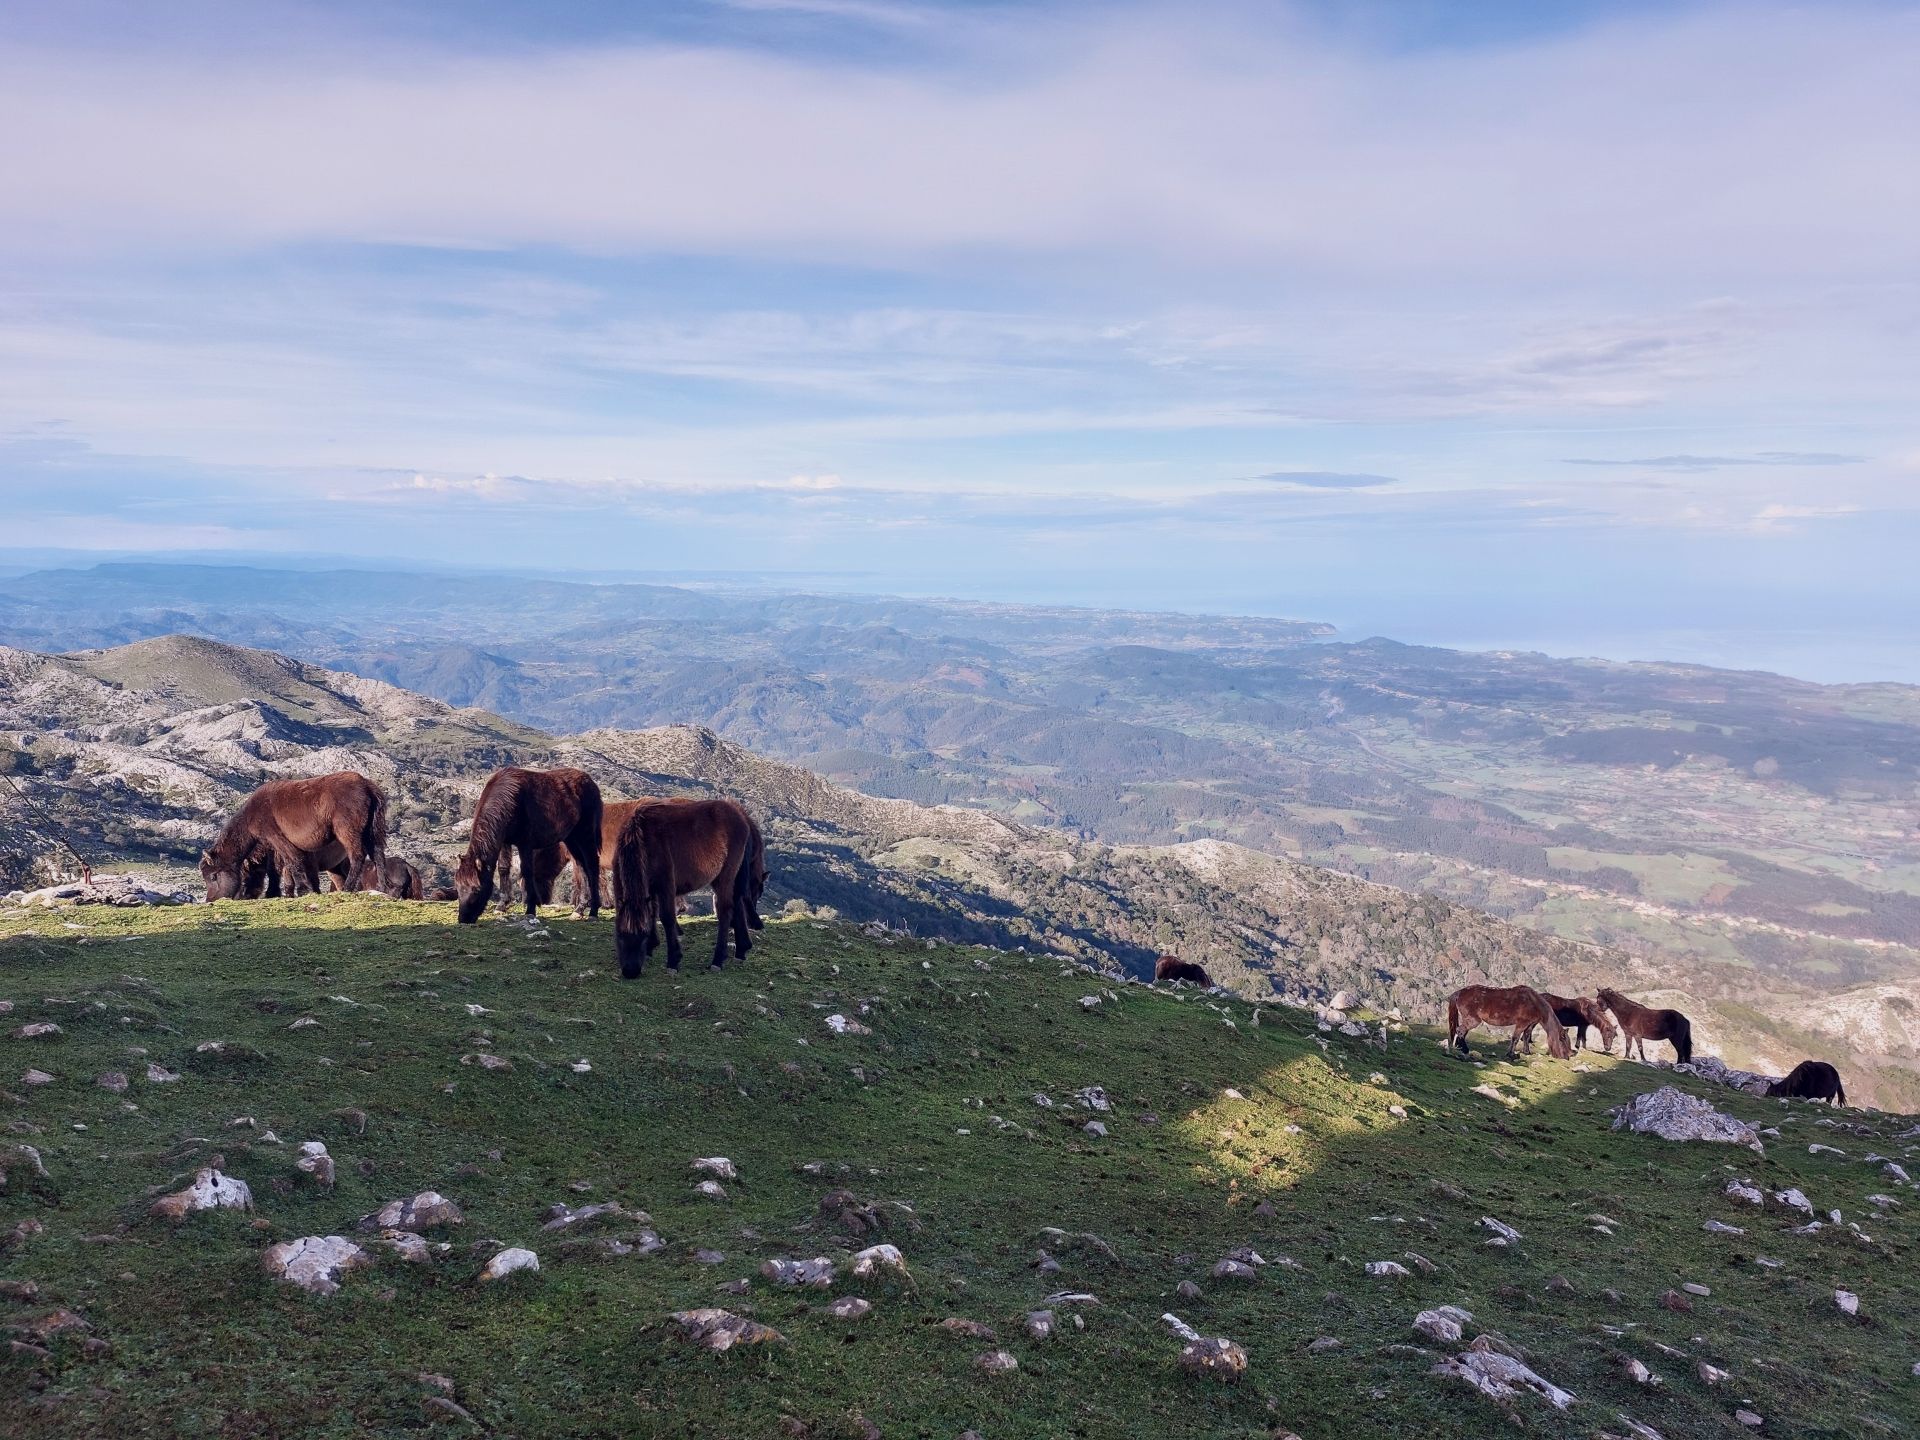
(1581, 328)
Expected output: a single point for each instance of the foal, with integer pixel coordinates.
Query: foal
(1640, 1023)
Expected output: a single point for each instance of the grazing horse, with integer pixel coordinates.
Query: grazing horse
(753, 871)
(1516, 1005)
(530, 810)
(1173, 968)
(666, 850)
(1811, 1080)
(1577, 1014)
(1641, 1024)
(288, 831)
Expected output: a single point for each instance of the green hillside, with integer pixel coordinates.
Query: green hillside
(930, 1119)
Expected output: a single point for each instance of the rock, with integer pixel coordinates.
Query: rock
(1233, 1270)
(1848, 1302)
(1695, 1288)
(1672, 1114)
(1187, 1290)
(210, 1190)
(36, 1077)
(850, 1307)
(1089, 1003)
(315, 1161)
(1265, 1210)
(1673, 1300)
(22, 1231)
(1745, 1192)
(717, 1167)
(841, 1025)
(1492, 1092)
(1710, 1374)
(996, 1362)
(316, 1263)
(1343, 1000)
(559, 1217)
(1214, 1359)
(1093, 1097)
(1427, 1267)
(971, 1329)
(1560, 1285)
(1322, 1345)
(1095, 1128)
(1039, 1324)
(1442, 1324)
(19, 1159)
(1503, 1233)
(814, 1274)
(38, 1030)
(408, 1246)
(486, 1061)
(711, 1189)
(418, 1212)
(114, 1081)
(1715, 1227)
(1792, 1199)
(1381, 1268)
(510, 1261)
(1749, 1419)
(877, 1260)
(721, 1330)
(160, 1075)
(1498, 1376)
(440, 1406)
(120, 890)
(1180, 1327)
(1636, 1371)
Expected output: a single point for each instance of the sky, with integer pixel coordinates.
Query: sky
(1586, 327)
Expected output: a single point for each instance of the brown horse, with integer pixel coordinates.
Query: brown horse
(753, 873)
(1172, 967)
(1811, 1080)
(1641, 1024)
(1577, 1014)
(1516, 1005)
(530, 810)
(666, 850)
(395, 877)
(288, 831)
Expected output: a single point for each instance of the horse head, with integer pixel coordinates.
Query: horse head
(473, 883)
(222, 876)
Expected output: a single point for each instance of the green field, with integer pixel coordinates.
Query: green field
(196, 1340)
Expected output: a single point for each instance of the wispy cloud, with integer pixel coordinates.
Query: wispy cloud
(1326, 479)
(1698, 463)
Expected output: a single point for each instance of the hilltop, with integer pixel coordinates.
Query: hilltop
(142, 751)
(952, 1119)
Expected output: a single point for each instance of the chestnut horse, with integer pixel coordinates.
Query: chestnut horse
(753, 871)
(530, 810)
(1641, 1024)
(1577, 1014)
(1516, 1005)
(1172, 967)
(1811, 1080)
(396, 877)
(288, 831)
(667, 849)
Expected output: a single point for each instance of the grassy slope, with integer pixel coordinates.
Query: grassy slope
(203, 1343)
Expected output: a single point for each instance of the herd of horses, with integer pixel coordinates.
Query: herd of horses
(290, 832)
(1526, 1010)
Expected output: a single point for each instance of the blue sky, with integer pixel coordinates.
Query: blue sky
(1592, 327)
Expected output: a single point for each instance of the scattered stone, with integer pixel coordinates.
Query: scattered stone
(510, 1261)
(1500, 1376)
(850, 1307)
(35, 1077)
(1442, 1324)
(486, 1061)
(1715, 1227)
(210, 1190)
(418, 1212)
(1427, 1267)
(1673, 1300)
(1237, 1270)
(711, 1189)
(996, 1362)
(1187, 1290)
(1503, 1234)
(721, 1330)
(1672, 1114)
(1792, 1199)
(1710, 1374)
(877, 1260)
(1323, 1344)
(1387, 1268)
(1214, 1359)
(814, 1274)
(316, 1263)
(1039, 1324)
(1848, 1302)
(1095, 1128)
(1093, 1097)
(315, 1161)
(1695, 1288)
(971, 1329)
(114, 1081)
(160, 1075)
(408, 1246)
(1492, 1092)
(560, 1217)
(38, 1030)
(717, 1167)
(841, 1025)
(1749, 1419)
(21, 1157)
(1265, 1210)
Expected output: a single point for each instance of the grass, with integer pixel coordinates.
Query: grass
(201, 1342)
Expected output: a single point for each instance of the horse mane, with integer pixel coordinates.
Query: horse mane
(493, 815)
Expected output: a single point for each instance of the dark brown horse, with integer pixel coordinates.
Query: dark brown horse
(1172, 967)
(666, 850)
(1811, 1080)
(530, 810)
(288, 831)
(1516, 1005)
(396, 877)
(614, 814)
(1577, 1014)
(1641, 1024)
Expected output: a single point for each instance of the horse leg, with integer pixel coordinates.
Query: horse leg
(742, 922)
(530, 879)
(725, 908)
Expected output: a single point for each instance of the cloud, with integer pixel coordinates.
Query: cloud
(1700, 463)
(1326, 479)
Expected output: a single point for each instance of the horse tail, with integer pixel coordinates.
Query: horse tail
(1453, 1019)
(1683, 1040)
(631, 922)
(1840, 1090)
(373, 840)
(756, 872)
